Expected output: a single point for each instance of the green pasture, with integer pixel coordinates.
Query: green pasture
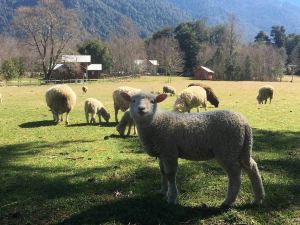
(70, 175)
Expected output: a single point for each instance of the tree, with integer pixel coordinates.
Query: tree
(248, 69)
(99, 52)
(126, 46)
(168, 54)
(262, 37)
(187, 39)
(49, 28)
(13, 68)
(278, 36)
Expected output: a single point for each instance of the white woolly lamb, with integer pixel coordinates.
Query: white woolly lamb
(264, 93)
(119, 102)
(126, 121)
(60, 99)
(191, 97)
(169, 89)
(93, 106)
(223, 135)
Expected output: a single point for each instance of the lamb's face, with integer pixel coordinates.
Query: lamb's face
(143, 106)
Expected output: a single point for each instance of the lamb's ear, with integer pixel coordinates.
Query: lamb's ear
(161, 97)
(125, 96)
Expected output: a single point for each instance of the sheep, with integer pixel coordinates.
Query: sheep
(93, 106)
(119, 102)
(60, 99)
(191, 97)
(211, 97)
(126, 120)
(84, 89)
(223, 135)
(169, 89)
(264, 93)
(1, 98)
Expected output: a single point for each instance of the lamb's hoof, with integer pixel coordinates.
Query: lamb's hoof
(172, 201)
(225, 205)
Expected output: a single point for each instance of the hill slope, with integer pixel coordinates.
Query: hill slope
(100, 17)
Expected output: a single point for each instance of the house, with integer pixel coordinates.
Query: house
(66, 71)
(94, 71)
(146, 66)
(203, 73)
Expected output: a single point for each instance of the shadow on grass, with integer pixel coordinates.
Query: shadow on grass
(265, 140)
(101, 205)
(103, 124)
(36, 124)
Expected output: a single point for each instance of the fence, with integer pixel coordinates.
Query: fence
(35, 82)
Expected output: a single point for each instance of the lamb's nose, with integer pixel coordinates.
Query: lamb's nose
(141, 108)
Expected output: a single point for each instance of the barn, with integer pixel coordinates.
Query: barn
(203, 73)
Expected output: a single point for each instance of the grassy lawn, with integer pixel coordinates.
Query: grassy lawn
(71, 175)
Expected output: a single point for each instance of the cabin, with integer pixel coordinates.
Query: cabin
(66, 71)
(94, 71)
(146, 66)
(203, 73)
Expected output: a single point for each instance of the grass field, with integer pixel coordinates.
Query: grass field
(71, 175)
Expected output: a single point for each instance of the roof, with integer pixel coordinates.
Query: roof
(142, 61)
(57, 66)
(154, 62)
(76, 58)
(95, 67)
(207, 69)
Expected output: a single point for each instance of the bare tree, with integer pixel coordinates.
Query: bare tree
(49, 28)
(125, 47)
(168, 53)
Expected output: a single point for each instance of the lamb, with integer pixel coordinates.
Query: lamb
(84, 89)
(119, 102)
(264, 93)
(223, 135)
(126, 120)
(211, 97)
(60, 99)
(191, 97)
(169, 89)
(93, 106)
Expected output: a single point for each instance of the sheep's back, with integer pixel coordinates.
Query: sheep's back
(119, 101)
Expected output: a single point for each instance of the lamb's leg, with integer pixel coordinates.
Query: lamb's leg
(257, 186)
(164, 180)
(61, 118)
(93, 120)
(234, 181)
(87, 117)
(170, 166)
(129, 129)
(116, 114)
(99, 120)
(67, 118)
(134, 129)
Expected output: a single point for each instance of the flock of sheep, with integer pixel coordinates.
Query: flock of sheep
(223, 135)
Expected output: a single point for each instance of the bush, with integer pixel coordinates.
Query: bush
(13, 68)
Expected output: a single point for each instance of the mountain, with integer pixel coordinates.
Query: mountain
(100, 17)
(252, 15)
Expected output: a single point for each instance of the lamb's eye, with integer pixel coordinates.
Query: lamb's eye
(152, 101)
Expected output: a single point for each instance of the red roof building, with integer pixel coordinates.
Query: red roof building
(203, 73)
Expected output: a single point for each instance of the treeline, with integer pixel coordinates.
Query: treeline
(219, 48)
(48, 30)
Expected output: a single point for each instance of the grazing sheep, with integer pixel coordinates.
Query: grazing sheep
(119, 102)
(84, 89)
(223, 135)
(93, 106)
(191, 97)
(169, 89)
(126, 120)
(264, 93)
(1, 98)
(211, 97)
(60, 99)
